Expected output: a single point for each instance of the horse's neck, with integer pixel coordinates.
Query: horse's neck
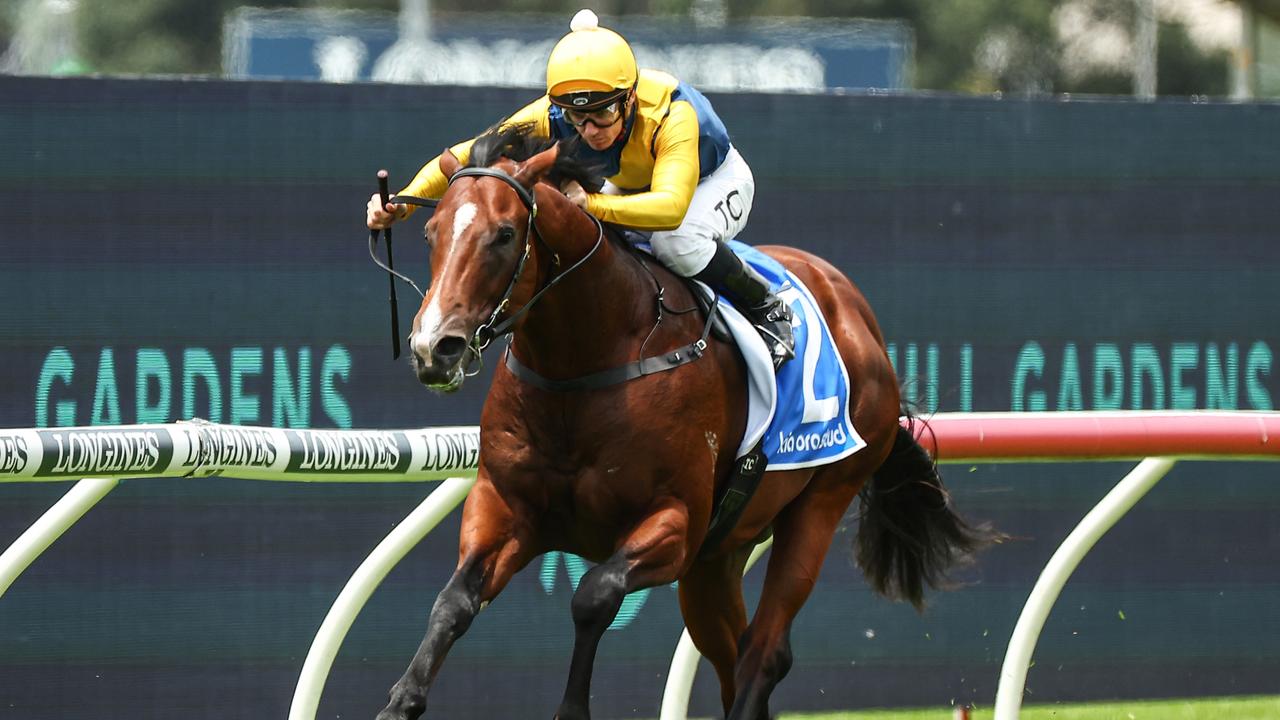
(595, 317)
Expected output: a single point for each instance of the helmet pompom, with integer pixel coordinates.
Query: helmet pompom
(584, 20)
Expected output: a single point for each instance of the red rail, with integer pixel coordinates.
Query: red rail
(1101, 435)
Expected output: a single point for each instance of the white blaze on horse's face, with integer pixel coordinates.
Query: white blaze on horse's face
(462, 219)
(431, 318)
(429, 321)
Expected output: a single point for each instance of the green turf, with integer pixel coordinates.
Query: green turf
(1234, 708)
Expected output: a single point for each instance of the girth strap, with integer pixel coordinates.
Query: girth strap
(613, 376)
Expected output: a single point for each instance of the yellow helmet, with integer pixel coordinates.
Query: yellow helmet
(591, 66)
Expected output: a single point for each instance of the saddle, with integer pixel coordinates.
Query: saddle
(732, 498)
(704, 296)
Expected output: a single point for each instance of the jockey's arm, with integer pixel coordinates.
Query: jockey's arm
(675, 175)
(430, 182)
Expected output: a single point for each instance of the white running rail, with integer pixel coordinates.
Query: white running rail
(99, 456)
(201, 449)
(315, 670)
(103, 455)
(1157, 438)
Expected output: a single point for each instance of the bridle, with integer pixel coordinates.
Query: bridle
(491, 328)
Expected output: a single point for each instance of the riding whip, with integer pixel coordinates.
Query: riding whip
(391, 266)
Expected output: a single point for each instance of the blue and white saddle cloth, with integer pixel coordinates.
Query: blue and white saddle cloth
(803, 417)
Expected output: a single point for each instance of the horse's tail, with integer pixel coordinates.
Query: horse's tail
(909, 536)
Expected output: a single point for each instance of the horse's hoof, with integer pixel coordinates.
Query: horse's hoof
(399, 714)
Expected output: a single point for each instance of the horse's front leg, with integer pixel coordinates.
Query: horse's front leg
(653, 553)
(492, 548)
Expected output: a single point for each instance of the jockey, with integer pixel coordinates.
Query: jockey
(670, 166)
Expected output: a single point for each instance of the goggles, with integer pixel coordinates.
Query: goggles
(605, 117)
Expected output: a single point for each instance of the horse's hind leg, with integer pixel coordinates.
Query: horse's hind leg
(802, 534)
(652, 554)
(711, 603)
(490, 552)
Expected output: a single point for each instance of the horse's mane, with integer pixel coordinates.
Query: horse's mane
(517, 141)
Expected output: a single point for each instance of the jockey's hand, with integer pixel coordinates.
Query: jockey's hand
(575, 193)
(379, 216)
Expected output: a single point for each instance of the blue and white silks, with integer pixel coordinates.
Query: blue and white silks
(804, 415)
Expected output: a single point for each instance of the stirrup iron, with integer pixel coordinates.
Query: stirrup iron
(773, 322)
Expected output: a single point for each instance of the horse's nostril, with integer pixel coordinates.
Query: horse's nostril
(448, 350)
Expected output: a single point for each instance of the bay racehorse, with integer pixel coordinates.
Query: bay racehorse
(624, 472)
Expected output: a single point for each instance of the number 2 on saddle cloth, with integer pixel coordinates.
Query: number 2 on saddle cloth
(796, 418)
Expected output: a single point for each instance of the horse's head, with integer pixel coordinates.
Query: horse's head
(480, 239)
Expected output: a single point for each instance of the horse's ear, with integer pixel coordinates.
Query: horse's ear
(532, 170)
(449, 163)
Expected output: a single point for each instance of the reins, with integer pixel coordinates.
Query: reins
(373, 241)
(491, 328)
(485, 334)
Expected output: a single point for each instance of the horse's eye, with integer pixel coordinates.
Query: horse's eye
(505, 235)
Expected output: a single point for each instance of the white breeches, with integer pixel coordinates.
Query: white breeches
(718, 212)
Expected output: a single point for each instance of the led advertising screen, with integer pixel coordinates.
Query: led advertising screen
(197, 249)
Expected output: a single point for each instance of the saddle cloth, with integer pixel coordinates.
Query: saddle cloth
(803, 413)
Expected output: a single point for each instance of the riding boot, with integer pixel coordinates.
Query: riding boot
(743, 286)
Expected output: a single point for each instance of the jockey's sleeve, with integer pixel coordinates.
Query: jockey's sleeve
(675, 175)
(430, 182)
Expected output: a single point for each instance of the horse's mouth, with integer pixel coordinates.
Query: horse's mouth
(436, 378)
